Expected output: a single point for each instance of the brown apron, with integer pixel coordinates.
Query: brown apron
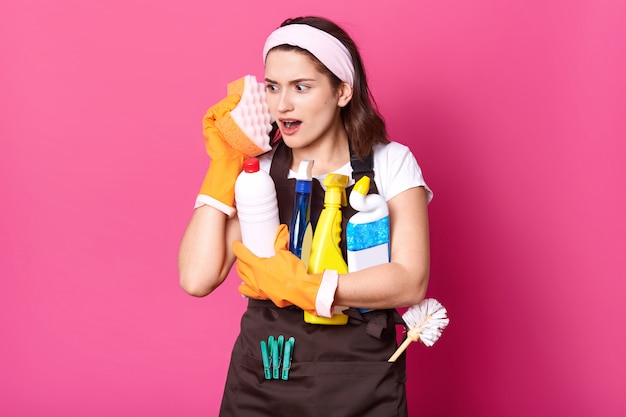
(336, 371)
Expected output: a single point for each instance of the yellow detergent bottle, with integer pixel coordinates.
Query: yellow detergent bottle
(325, 250)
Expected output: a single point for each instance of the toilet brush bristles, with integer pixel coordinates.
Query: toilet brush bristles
(425, 321)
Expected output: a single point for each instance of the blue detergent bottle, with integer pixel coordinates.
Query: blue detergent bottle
(367, 232)
(300, 229)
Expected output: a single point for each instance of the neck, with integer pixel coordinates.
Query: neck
(329, 154)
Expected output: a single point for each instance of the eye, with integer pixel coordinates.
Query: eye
(271, 87)
(302, 87)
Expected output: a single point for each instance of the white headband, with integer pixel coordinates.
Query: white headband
(325, 47)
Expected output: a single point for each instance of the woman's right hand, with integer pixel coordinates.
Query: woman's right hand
(214, 142)
(226, 162)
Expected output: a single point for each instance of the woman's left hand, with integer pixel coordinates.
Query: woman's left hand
(282, 278)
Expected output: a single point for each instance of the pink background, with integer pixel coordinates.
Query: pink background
(514, 109)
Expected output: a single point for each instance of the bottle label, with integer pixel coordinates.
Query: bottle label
(367, 235)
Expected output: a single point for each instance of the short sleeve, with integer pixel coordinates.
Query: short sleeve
(396, 170)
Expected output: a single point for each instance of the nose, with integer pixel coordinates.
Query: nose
(284, 102)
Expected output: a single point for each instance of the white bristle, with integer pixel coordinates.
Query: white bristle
(425, 321)
(428, 318)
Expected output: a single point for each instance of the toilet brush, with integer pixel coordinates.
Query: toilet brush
(425, 321)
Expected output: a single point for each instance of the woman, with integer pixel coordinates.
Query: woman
(318, 94)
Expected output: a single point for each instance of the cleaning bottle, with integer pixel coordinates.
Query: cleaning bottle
(325, 250)
(367, 232)
(300, 229)
(257, 209)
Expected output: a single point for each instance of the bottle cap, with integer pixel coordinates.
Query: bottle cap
(304, 186)
(251, 165)
(336, 189)
(362, 186)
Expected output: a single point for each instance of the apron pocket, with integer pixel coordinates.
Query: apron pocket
(368, 389)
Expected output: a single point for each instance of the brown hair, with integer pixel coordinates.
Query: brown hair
(361, 119)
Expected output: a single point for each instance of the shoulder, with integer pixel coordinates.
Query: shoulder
(389, 153)
(396, 170)
(390, 148)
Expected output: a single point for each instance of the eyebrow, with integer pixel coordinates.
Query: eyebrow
(297, 81)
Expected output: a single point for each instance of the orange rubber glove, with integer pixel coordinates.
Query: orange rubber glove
(283, 278)
(226, 162)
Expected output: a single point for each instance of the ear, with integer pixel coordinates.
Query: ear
(345, 94)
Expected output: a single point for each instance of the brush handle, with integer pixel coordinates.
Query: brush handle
(399, 351)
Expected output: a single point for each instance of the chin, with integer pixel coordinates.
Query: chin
(293, 142)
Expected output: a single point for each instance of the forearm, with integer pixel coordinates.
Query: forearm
(389, 285)
(205, 257)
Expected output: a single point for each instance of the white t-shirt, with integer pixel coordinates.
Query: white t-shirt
(395, 170)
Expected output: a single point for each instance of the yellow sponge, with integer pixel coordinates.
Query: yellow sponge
(247, 127)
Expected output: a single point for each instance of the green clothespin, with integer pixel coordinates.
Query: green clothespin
(287, 358)
(266, 360)
(281, 344)
(275, 355)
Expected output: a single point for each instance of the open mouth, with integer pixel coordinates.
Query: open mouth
(289, 123)
(290, 126)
